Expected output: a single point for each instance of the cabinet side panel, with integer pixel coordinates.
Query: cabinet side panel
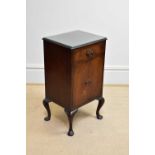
(57, 74)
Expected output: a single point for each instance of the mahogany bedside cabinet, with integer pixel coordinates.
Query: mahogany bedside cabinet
(74, 68)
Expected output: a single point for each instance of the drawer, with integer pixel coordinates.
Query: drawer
(89, 52)
(87, 79)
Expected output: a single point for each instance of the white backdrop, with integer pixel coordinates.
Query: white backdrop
(104, 17)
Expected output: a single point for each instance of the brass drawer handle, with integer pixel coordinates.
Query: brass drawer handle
(90, 53)
(88, 82)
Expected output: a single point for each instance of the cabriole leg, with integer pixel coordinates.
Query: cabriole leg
(70, 115)
(46, 105)
(100, 104)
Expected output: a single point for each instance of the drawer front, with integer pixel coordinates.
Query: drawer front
(88, 53)
(87, 76)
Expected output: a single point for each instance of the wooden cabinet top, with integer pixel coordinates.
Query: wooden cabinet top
(74, 39)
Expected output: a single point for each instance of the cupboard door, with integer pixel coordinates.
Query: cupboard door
(87, 79)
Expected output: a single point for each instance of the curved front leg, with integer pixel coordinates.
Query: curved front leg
(70, 115)
(100, 104)
(46, 105)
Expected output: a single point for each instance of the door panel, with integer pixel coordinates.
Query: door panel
(87, 80)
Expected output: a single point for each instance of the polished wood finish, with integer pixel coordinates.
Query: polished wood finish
(73, 75)
(57, 74)
(87, 74)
